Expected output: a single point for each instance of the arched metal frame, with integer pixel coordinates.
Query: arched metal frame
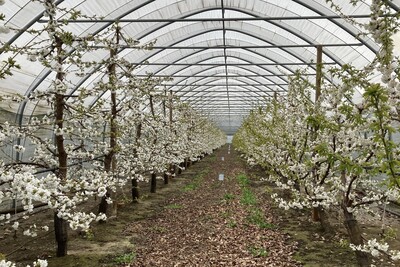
(311, 5)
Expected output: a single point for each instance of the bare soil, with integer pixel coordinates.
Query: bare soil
(197, 220)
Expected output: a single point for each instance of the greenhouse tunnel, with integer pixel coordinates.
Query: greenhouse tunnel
(223, 57)
(137, 72)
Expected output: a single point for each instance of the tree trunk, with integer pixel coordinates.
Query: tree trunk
(171, 171)
(321, 216)
(355, 237)
(153, 184)
(61, 233)
(60, 225)
(103, 206)
(135, 190)
(166, 178)
(316, 214)
(180, 168)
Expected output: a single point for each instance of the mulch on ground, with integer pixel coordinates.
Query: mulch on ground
(209, 225)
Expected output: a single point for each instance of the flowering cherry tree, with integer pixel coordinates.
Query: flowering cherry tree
(69, 155)
(335, 153)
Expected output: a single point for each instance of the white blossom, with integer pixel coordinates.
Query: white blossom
(4, 29)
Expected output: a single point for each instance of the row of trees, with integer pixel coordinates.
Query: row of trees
(95, 139)
(335, 152)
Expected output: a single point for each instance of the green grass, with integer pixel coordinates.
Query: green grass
(248, 198)
(226, 214)
(229, 196)
(125, 258)
(258, 252)
(256, 217)
(196, 181)
(174, 206)
(243, 180)
(159, 229)
(190, 187)
(232, 223)
(212, 157)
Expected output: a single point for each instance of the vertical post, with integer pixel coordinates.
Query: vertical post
(171, 166)
(109, 158)
(319, 73)
(153, 181)
(134, 182)
(164, 105)
(170, 108)
(165, 174)
(316, 211)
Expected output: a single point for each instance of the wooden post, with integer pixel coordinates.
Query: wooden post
(170, 108)
(153, 181)
(109, 158)
(316, 211)
(134, 182)
(171, 166)
(319, 73)
(165, 175)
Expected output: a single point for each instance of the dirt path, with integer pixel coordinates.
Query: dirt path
(212, 223)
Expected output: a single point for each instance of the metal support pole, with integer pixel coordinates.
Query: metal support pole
(319, 73)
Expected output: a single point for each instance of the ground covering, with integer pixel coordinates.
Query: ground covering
(198, 220)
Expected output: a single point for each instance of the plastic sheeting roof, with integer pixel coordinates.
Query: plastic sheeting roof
(225, 56)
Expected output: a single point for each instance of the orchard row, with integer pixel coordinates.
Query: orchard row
(337, 151)
(93, 139)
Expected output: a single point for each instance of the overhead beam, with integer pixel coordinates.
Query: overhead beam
(222, 76)
(222, 98)
(224, 46)
(241, 91)
(319, 17)
(231, 64)
(229, 84)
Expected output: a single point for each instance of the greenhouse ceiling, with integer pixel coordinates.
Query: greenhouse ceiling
(224, 57)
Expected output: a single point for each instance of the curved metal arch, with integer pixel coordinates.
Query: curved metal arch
(368, 43)
(243, 68)
(21, 109)
(191, 54)
(209, 83)
(207, 92)
(295, 55)
(215, 76)
(205, 102)
(286, 50)
(200, 11)
(196, 94)
(239, 10)
(47, 72)
(201, 102)
(232, 57)
(239, 67)
(36, 82)
(297, 34)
